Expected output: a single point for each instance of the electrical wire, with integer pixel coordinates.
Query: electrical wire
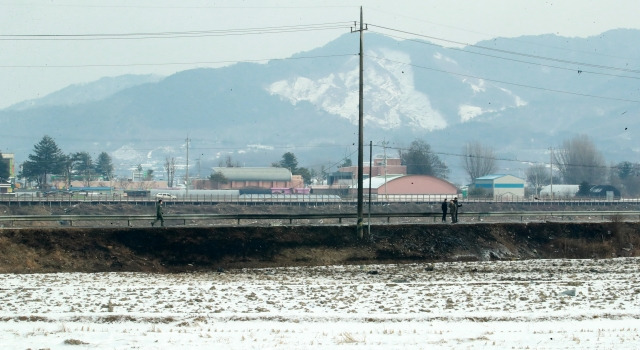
(509, 83)
(185, 34)
(491, 35)
(512, 52)
(580, 71)
(178, 63)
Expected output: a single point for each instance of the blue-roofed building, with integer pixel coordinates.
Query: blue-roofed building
(501, 186)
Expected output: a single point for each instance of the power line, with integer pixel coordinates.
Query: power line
(184, 34)
(509, 83)
(512, 52)
(177, 63)
(580, 71)
(214, 7)
(493, 35)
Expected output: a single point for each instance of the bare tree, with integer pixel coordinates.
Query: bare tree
(170, 169)
(123, 182)
(626, 177)
(228, 162)
(537, 175)
(479, 160)
(579, 161)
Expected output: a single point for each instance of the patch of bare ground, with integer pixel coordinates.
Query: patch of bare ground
(184, 248)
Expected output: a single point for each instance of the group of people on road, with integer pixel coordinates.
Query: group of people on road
(451, 206)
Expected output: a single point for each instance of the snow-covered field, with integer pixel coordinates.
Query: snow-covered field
(535, 304)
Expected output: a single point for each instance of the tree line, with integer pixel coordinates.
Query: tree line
(576, 161)
(48, 159)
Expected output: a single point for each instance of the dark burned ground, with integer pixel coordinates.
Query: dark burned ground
(185, 248)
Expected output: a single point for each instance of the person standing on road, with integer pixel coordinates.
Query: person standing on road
(455, 202)
(444, 210)
(159, 214)
(452, 210)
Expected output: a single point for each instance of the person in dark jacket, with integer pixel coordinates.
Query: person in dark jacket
(452, 210)
(159, 214)
(444, 210)
(457, 205)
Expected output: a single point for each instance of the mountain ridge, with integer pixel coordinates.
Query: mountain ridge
(308, 104)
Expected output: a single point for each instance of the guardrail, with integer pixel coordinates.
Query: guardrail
(32, 198)
(238, 218)
(250, 199)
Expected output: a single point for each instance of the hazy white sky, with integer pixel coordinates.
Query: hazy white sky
(48, 45)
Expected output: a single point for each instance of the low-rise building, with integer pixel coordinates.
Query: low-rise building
(501, 186)
(424, 187)
(380, 166)
(253, 177)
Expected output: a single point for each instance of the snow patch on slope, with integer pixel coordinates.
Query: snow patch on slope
(389, 93)
(467, 112)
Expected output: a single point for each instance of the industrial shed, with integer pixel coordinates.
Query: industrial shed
(604, 191)
(258, 177)
(402, 185)
(501, 186)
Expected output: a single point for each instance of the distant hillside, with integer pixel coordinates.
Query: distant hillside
(89, 92)
(520, 104)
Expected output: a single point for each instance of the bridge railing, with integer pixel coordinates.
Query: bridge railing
(31, 198)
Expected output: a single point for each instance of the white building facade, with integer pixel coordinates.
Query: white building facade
(502, 186)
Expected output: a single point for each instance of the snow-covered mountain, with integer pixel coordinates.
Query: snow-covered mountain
(519, 95)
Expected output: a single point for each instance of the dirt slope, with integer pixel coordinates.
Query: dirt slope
(174, 249)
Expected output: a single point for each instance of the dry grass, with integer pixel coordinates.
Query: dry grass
(17, 257)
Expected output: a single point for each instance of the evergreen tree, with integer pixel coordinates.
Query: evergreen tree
(217, 179)
(104, 166)
(306, 175)
(46, 159)
(420, 160)
(288, 161)
(83, 164)
(583, 189)
(4, 169)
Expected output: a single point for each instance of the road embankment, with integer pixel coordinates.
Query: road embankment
(181, 249)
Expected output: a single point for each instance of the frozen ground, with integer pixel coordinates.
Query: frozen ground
(535, 304)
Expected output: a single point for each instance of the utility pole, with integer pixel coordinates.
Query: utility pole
(384, 147)
(359, 225)
(551, 170)
(187, 176)
(370, 176)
